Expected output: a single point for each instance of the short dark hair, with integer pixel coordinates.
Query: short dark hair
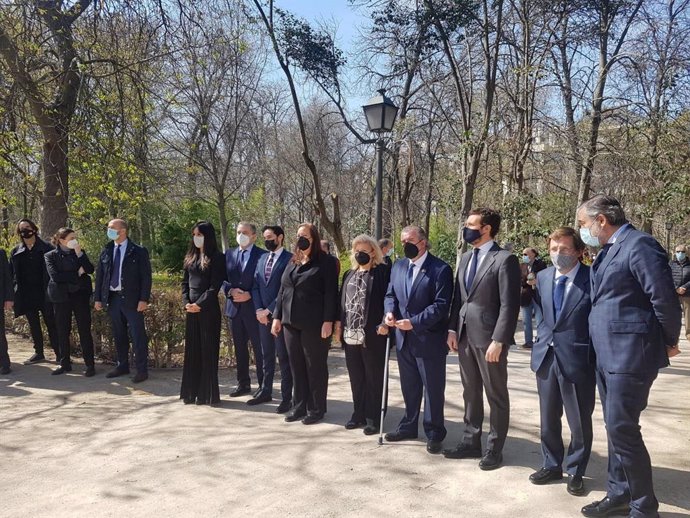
(276, 229)
(562, 232)
(607, 206)
(490, 217)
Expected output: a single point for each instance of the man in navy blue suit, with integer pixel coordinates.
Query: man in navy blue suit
(563, 363)
(240, 264)
(267, 276)
(416, 305)
(634, 324)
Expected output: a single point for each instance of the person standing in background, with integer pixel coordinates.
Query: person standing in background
(387, 249)
(30, 277)
(6, 303)
(530, 266)
(680, 268)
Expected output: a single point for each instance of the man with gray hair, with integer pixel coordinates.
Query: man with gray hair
(680, 267)
(634, 326)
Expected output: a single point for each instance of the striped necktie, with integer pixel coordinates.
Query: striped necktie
(269, 267)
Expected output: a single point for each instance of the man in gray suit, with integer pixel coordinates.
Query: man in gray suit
(486, 303)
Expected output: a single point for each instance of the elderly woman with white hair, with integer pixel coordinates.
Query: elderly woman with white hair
(361, 330)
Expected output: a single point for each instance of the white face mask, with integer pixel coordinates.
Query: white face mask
(243, 240)
(198, 241)
(72, 244)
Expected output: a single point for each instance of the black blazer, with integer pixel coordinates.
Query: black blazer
(136, 275)
(26, 298)
(308, 294)
(201, 287)
(377, 285)
(6, 291)
(63, 270)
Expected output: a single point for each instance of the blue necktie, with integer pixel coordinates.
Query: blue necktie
(473, 269)
(115, 274)
(559, 294)
(409, 279)
(600, 256)
(242, 256)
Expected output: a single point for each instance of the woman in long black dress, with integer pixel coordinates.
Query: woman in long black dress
(204, 273)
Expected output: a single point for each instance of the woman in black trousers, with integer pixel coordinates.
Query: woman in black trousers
(69, 289)
(204, 273)
(306, 308)
(28, 268)
(362, 332)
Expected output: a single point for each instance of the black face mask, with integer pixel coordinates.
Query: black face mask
(411, 250)
(303, 243)
(26, 234)
(362, 258)
(271, 245)
(470, 235)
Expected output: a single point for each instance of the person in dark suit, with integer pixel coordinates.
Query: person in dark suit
(362, 332)
(269, 271)
(416, 305)
(69, 289)
(240, 265)
(6, 303)
(635, 325)
(204, 274)
(483, 318)
(531, 265)
(123, 286)
(306, 307)
(28, 269)
(387, 249)
(562, 360)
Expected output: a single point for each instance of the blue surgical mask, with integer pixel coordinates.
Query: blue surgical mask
(112, 234)
(588, 238)
(680, 256)
(525, 259)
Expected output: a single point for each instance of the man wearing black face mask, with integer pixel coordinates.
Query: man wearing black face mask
(416, 305)
(269, 270)
(483, 318)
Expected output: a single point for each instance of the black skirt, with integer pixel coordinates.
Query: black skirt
(202, 347)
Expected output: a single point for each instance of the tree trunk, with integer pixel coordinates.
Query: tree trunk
(55, 178)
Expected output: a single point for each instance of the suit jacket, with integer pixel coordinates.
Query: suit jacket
(63, 270)
(377, 285)
(569, 335)
(308, 294)
(264, 294)
(237, 277)
(426, 307)
(136, 276)
(635, 311)
(490, 310)
(6, 290)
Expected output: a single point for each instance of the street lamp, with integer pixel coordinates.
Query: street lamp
(669, 226)
(380, 113)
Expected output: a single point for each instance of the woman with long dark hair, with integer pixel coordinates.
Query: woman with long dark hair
(204, 273)
(69, 289)
(30, 277)
(306, 308)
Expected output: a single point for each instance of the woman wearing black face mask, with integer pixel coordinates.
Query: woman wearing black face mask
(362, 332)
(30, 277)
(305, 310)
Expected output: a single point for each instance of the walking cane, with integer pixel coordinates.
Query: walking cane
(384, 394)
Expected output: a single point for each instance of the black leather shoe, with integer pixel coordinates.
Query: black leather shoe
(240, 390)
(59, 370)
(291, 418)
(260, 398)
(284, 407)
(188, 400)
(491, 460)
(5, 370)
(90, 371)
(434, 447)
(463, 451)
(527, 345)
(116, 373)
(35, 358)
(370, 429)
(544, 476)
(576, 486)
(140, 376)
(312, 418)
(606, 507)
(399, 436)
(352, 424)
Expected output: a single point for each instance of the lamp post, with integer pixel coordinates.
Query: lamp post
(669, 226)
(380, 113)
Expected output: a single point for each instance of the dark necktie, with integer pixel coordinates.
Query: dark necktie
(600, 256)
(409, 279)
(559, 295)
(115, 274)
(242, 256)
(473, 269)
(269, 267)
